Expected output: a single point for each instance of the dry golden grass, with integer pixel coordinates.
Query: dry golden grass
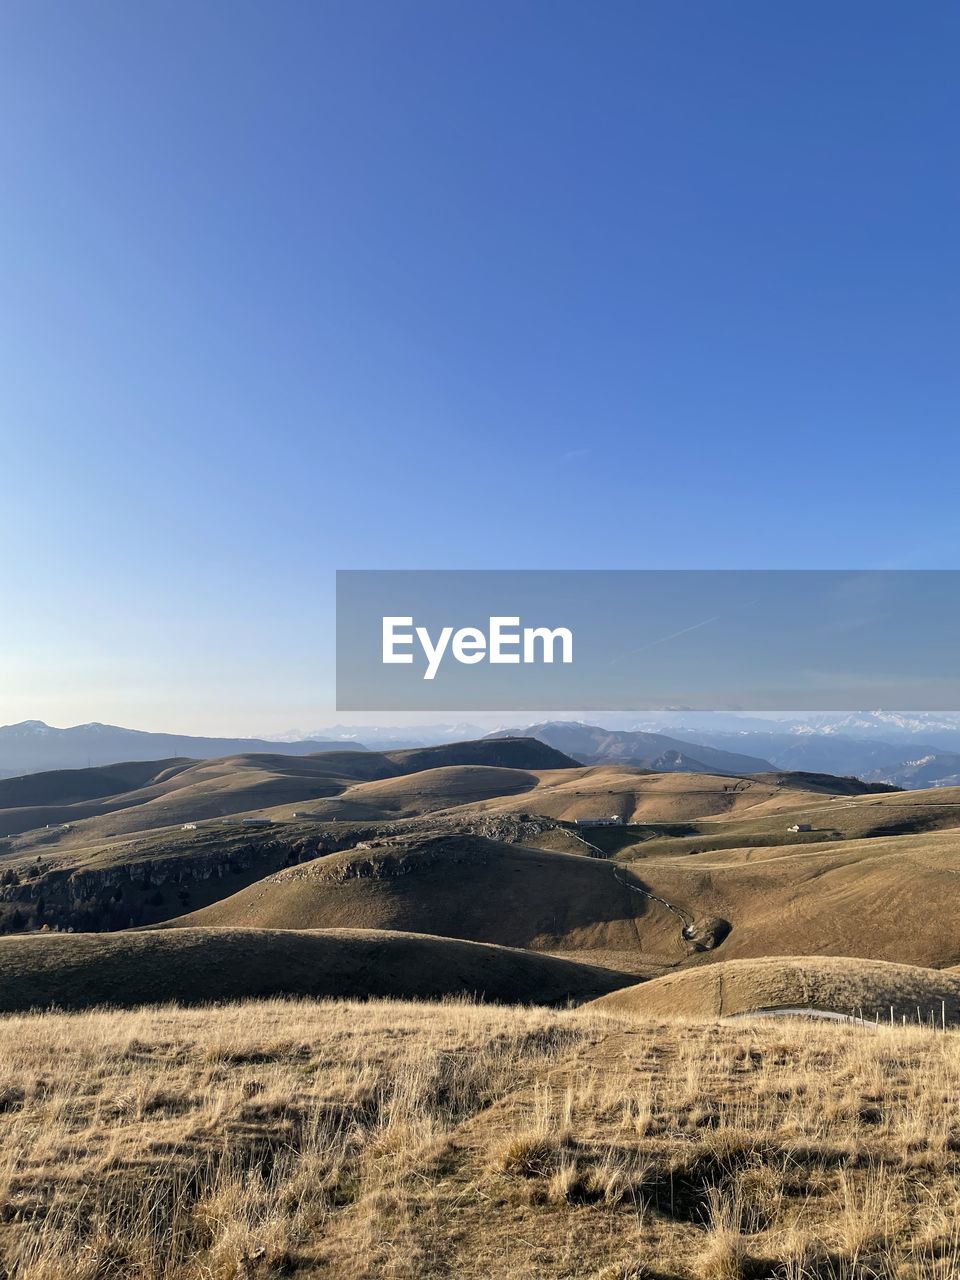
(884, 898)
(213, 966)
(202, 790)
(441, 788)
(404, 1140)
(468, 886)
(638, 795)
(863, 989)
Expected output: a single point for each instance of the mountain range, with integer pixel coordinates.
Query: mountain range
(591, 744)
(32, 746)
(917, 754)
(911, 750)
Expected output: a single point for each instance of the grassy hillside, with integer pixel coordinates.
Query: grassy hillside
(888, 898)
(641, 796)
(868, 987)
(99, 804)
(458, 886)
(74, 786)
(391, 1141)
(200, 791)
(638, 1138)
(193, 966)
(875, 876)
(830, 816)
(432, 789)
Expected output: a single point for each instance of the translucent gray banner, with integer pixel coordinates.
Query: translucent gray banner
(732, 640)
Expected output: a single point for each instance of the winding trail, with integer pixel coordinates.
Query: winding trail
(686, 922)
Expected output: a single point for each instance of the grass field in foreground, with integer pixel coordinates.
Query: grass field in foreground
(403, 1140)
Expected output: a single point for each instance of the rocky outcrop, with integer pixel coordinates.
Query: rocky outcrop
(144, 890)
(163, 880)
(390, 859)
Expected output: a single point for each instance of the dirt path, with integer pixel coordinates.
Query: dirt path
(686, 920)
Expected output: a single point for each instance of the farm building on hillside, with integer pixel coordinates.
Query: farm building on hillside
(257, 822)
(800, 826)
(613, 821)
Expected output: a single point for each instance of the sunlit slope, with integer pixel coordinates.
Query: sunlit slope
(837, 816)
(888, 898)
(568, 794)
(123, 799)
(634, 795)
(458, 886)
(851, 986)
(201, 790)
(434, 789)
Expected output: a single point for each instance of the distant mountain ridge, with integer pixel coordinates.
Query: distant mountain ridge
(940, 769)
(591, 744)
(833, 753)
(909, 749)
(32, 746)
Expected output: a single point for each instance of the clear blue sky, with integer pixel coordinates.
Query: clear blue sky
(297, 286)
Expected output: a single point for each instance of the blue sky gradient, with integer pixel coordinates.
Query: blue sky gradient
(294, 287)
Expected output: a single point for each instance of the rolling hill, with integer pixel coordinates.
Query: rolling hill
(141, 796)
(462, 887)
(739, 987)
(124, 846)
(506, 751)
(445, 788)
(889, 898)
(636, 795)
(199, 966)
(177, 791)
(77, 786)
(480, 841)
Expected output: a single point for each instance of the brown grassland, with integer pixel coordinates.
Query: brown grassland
(238, 1051)
(396, 1140)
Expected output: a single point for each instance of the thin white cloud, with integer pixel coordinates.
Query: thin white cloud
(674, 635)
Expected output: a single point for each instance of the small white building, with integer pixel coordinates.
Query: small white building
(800, 826)
(189, 826)
(613, 821)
